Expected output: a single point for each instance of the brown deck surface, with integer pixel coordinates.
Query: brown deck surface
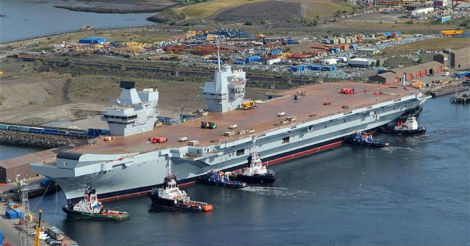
(262, 118)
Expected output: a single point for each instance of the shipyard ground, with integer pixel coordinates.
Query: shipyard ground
(11, 229)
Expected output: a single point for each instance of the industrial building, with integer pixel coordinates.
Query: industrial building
(396, 75)
(362, 62)
(455, 59)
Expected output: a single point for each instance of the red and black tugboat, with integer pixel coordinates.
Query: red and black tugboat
(170, 197)
(90, 208)
(256, 173)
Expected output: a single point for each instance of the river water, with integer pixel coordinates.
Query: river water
(32, 18)
(415, 192)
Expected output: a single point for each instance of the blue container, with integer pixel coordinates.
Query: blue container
(328, 68)
(11, 214)
(46, 181)
(275, 52)
(19, 212)
(354, 46)
(462, 75)
(92, 40)
(333, 50)
(292, 41)
(1, 238)
(3, 127)
(298, 68)
(253, 59)
(314, 67)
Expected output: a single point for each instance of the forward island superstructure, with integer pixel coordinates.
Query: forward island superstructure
(285, 127)
(134, 112)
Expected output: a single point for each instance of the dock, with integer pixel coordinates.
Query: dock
(461, 98)
(21, 231)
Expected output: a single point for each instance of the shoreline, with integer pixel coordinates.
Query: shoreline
(101, 10)
(31, 39)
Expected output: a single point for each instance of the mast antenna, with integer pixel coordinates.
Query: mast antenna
(169, 166)
(218, 53)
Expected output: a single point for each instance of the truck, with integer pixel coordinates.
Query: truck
(158, 139)
(208, 125)
(347, 90)
(248, 105)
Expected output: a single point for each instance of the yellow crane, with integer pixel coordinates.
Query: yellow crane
(38, 230)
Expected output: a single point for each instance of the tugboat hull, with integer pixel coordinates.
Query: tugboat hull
(101, 216)
(206, 180)
(161, 204)
(420, 130)
(256, 179)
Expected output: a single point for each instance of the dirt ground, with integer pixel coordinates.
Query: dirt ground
(272, 12)
(87, 96)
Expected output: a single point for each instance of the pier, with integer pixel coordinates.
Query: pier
(461, 98)
(21, 231)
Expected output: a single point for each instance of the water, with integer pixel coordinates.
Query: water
(8, 152)
(413, 193)
(31, 18)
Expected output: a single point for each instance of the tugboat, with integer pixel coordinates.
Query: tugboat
(90, 208)
(409, 127)
(170, 197)
(364, 139)
(220, 179)
(256, 173)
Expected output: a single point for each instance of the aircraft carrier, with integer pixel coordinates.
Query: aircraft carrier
(293, 124)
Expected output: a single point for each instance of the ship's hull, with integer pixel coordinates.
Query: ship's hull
(161, 204)
(268, 178)
(90, 216)
(149, 169)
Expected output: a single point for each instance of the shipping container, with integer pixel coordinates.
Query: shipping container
(275, 52)
(292, 41)
(11, 214)
(328, 68)
(253, 59)
(92, 40)
(19, 212)
(462, 75)
(3, 127)
(298, 68)
(314, 67)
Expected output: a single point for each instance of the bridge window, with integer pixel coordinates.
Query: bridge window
(240, 152)
(285, 140)
(310, 128)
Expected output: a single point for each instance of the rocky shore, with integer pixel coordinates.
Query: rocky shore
(42, 141)
(118, 9)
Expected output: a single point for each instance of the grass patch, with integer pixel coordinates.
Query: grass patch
(437, 44)
(208, 8)
(322, 8)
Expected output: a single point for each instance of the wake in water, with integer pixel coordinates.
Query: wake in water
(276, 191)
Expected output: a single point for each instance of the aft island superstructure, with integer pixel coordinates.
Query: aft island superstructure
(295, 123)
